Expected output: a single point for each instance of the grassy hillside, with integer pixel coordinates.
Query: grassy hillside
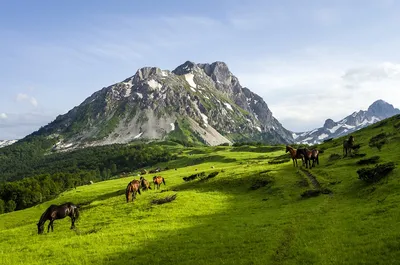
(229, 219)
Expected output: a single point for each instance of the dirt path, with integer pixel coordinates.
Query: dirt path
(312, 178)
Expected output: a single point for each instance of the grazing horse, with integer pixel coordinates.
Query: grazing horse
(55, 212)
(157, 180)
(132, 188)
(314, 157)
(348, 145)
(307, 154)
(145, 184)
(294, 155)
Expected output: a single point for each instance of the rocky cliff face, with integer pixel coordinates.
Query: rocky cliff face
(379, 110)
(195, 103)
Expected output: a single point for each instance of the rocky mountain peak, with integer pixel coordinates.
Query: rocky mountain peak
(195, 103)
(185, 68)
(329, 123)
(146, 73)
(381, 108)
(218, 71)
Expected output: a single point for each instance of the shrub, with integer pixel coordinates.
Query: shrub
(378, 140)
(310, 193)
(334, 157)
(367, 161)
(376, 173)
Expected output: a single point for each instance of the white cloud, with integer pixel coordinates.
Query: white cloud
(3, 116)
(18, 125)
(355, 77)
(304, 91)
(33, 101)
(21, 97)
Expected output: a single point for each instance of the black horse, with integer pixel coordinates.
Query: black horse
(348, 145)
(55, 212)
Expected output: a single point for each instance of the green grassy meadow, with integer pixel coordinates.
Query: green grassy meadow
(223, 220)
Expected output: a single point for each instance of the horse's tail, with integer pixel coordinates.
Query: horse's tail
(127, 193)
(138, 190)
(163, 180)
(76, 212)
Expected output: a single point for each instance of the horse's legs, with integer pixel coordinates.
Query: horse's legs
(72, 222)
(50, 225)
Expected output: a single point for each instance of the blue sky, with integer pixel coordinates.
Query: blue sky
(309, 60)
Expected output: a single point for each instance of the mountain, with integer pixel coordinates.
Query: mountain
(379, 110)
(4, 143)
(195, 103)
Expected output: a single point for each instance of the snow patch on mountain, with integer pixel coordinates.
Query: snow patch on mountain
(189, 79)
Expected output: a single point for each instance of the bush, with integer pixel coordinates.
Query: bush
(378, 140)
(310, 193)
(334, 157)
(376, 173)
(367, 161)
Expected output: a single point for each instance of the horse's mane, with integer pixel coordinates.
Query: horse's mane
(46, 212)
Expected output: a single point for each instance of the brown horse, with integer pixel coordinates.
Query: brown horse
(294, 155)
(132, 188)
(307, 154)
(145, 184)
(55, 212)
(348, 145)
(314, 157)
(157, 180)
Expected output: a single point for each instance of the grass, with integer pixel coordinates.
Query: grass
(223, 220)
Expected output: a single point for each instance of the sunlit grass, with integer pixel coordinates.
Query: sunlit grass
(222, 220)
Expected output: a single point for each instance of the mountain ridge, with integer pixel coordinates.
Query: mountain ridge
(377, 111)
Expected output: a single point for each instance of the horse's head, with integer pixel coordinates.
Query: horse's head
(40, 228)
(287, 148)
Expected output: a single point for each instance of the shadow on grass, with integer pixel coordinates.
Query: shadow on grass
(191, 161)
(86, 204)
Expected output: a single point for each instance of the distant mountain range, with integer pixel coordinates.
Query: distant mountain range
(379, 110)
(193, 104)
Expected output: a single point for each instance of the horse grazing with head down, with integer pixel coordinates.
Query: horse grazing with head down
(145, 184)
(294, 155)
(131, 190)
(157, 180)
(55, 212)
(348, 145)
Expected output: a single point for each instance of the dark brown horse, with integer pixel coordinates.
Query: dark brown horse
(294, 155)
(307, 154)
(145, 184)
(55, 212)
(131, 190)
(348, 145)
(157, 180)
